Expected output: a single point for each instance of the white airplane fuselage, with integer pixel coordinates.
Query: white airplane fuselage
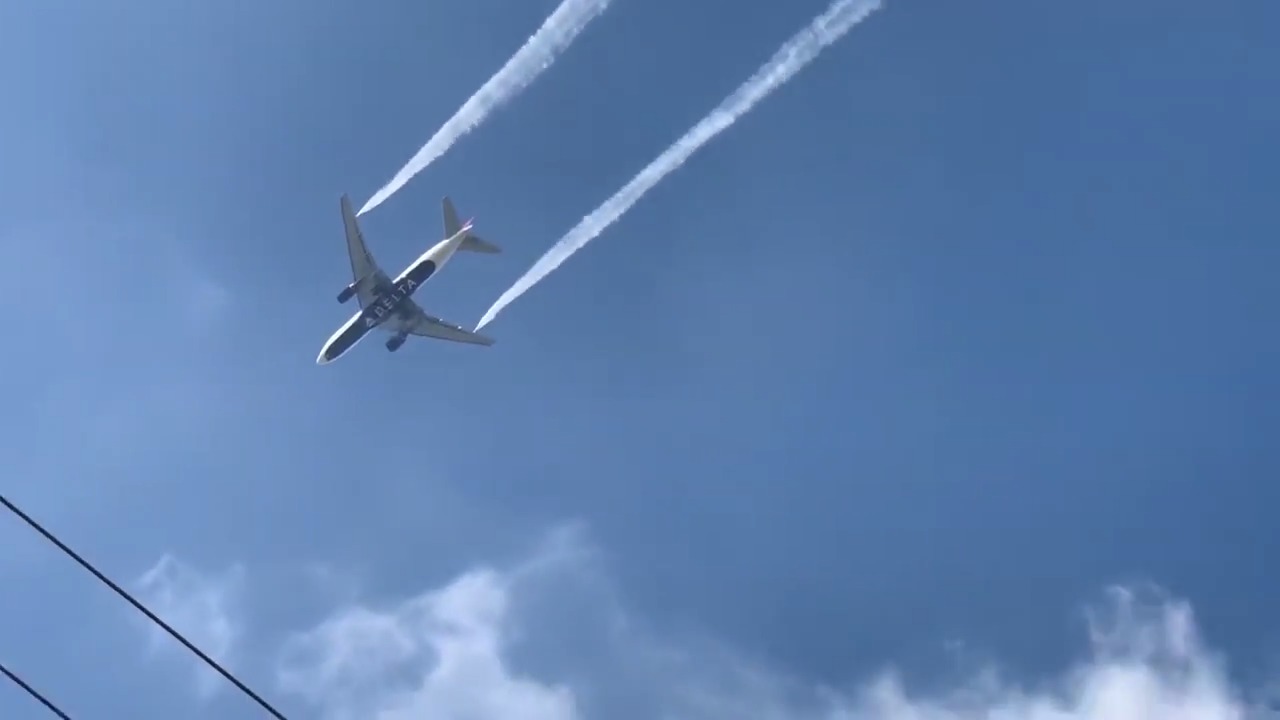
(389, 299)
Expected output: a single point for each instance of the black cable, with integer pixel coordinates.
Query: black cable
(34, 693)
(141, 608)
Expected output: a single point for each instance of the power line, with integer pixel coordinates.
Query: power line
(140, 607)
(33, 692)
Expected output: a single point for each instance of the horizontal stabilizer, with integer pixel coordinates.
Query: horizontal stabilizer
(472, 243)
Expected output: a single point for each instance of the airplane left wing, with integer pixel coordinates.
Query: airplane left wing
(366, 275)
(417, 322)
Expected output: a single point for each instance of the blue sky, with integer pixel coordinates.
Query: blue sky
(965, 325)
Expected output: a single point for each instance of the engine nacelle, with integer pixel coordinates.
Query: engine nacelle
(394, 343)
(347, 293)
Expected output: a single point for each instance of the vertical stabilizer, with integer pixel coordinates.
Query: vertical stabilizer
(451, 224)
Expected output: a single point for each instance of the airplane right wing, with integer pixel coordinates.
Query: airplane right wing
(421, 324)
(366, 274)
(434, 327)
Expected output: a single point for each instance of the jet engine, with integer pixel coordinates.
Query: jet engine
(394, 343)
(347, 293)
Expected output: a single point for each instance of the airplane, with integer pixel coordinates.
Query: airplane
(386, 303)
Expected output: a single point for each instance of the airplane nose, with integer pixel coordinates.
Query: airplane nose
(321, 359)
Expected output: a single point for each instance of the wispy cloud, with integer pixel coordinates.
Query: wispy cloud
(202, 607)
(549, 640)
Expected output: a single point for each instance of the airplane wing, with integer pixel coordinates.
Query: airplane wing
(365, 272)
(417, 322)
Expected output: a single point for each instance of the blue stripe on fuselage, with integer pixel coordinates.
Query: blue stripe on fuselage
(346, 340)
(419, 273)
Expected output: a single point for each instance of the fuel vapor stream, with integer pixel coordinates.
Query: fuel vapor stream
(558, 31)
(793, 56)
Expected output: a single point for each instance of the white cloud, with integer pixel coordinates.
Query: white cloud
(438, 655)
(332, 582)
(547, 640)
(201, 607)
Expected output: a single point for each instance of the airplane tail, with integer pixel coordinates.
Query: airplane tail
(473, 242)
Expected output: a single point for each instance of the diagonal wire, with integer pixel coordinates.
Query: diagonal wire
(33, 692)
(140, 607)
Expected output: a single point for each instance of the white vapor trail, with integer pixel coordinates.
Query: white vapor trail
(537, 54)
(796, 53)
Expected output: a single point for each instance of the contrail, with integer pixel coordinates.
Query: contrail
(797, 52)
(539, 51)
